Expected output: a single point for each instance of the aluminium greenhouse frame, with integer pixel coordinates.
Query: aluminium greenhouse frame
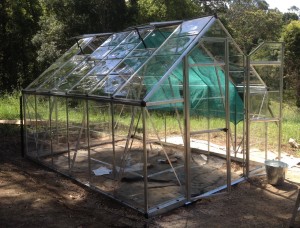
(110, 142)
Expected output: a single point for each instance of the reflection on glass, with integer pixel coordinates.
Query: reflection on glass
(215, 31)
(154, 70)
(63, 71)
(158, 65)
(115, 39)
(74, 49)
(121, 51)
(268, 52)
(134, 36)
(192, 27)
(216, 50)
(44, 76)
(76, 75)
(133, 90)
(154, 40)
(105, 66)
(129, 65)
(101, 52)
(87, 84)
(175, 45)
(142, 52)
(58, 63)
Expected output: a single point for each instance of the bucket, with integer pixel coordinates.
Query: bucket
(275, 171)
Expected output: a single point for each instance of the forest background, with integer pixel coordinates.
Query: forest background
(34, 33)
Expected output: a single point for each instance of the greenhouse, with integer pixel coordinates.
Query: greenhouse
(159, 115)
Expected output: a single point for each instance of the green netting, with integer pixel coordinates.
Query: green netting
(207, 90)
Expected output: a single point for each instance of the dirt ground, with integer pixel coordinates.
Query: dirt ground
(33, 196)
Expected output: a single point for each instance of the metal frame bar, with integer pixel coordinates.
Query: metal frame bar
(187, 146)
(145, 159)
(227, 116)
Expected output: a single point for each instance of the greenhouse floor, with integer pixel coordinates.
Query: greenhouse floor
(165, 182)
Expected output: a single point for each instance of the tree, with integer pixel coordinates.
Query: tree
(18, 23)
(250, 23)
(164, 10)
(63, 19)
(291, 37)
(288, 17)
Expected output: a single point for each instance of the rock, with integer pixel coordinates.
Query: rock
(293, 143)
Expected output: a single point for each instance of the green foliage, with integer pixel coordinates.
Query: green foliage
(161, 10)
(250, 23)
(288, 17)
(49, 38)
(18, 23)
(63, 19)
(10, 106)
(291, 37)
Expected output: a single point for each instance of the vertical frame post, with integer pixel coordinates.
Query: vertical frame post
(50, 124)
(68, 140)
(22, 127)
(145, 159)
(247, 114)
(280, 100)
(88, 137)
(227, 116)
(113, 138)
(36, 129)
(187, 147)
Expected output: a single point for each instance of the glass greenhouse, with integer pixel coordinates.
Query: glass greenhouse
(159, 115)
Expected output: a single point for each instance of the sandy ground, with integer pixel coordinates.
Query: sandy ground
(33, 196)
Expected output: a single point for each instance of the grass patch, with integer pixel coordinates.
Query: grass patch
(10, 106)
(9, 110)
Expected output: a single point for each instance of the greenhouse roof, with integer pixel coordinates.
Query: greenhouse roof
(137, 64)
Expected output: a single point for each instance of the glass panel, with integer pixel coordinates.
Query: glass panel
(96, 75)
(215, 31)
(139, 85)
(175, 45)
(215, 50)
(75, 76)
(192, 27)
(268, 52)
(270, 74)
(142, 52)
(236, 66)
(170, 88)
(166, 171)
(87, 84)
(121, 51)
(129, 163)
(156, 38)
(110, 85)
(129, 66)
(134, 36)
(45, 75)
(105, 66)
(30, 126)
(43, 127)
(78, 139)
(97, 41)
(101, 52)
(62, 72)
(58, 63)
(59, 133)
(116, 39)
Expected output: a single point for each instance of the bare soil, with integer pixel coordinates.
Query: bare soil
(34, 196)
